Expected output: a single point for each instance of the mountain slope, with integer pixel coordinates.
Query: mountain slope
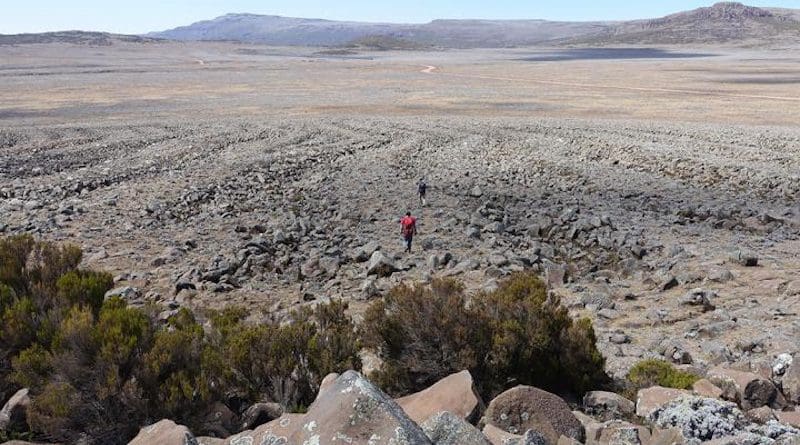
(724, 22)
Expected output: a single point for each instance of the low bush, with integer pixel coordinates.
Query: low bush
(98, 369)
(517, 334)
(654, 372)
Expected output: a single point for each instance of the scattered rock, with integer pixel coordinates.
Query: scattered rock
(607, 405)
(261, 413)
(745, 388)
(744, 258)
(381, 265)
(164, 432)
(445, 428)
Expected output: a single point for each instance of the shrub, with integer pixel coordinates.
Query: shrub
(285, 363)
(87, 287)
(514, 335)
(653, 372)
(32, 367)
(175, 377)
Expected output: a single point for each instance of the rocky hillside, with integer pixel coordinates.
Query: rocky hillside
(721, 23)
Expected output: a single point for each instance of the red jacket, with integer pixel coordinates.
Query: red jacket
(409, 225)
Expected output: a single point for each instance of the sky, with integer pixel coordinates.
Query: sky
(141, 16)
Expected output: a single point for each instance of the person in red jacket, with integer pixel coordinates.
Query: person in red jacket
(408, 228)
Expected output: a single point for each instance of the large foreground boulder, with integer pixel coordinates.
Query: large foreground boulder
(14, 415)
(524, 408)
(449, 429)
(747, 389)
(353, 411)
(454, 394)
(165, 432)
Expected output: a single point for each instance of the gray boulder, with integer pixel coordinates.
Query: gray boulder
(445, 428)
(607, 405)
(259, 414)
(381, 265)
(354, 411)
(790, 382)
(14, 415)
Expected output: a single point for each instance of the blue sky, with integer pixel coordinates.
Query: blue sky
(135, 17)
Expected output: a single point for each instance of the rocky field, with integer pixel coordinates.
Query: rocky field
(676, 240)
(655, 190)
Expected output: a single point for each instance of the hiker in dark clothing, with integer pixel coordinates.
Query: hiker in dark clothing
(408, 228)
(422, 187)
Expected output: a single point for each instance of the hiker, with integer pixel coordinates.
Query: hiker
(421, 189)
(408, 228)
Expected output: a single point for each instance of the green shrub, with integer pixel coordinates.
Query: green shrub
(87, 287)
(32, 367)
(53, 408)
(285, 363)
(653, 372)
(514, 335)
(174, 377)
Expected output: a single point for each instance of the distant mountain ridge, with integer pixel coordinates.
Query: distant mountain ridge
(277, 30)
(721, 23)
(73, 37)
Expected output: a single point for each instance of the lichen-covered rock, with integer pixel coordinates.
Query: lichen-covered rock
(605, 405)
(164, 432)
(276, 432)
(446, 428)
(618, 432)
(525, 408)
(352, 410)
(700, 418)
(454, 394)
(709, 419)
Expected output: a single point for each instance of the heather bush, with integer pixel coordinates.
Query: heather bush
(98, 369)
(514, 335)
(654, 372)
